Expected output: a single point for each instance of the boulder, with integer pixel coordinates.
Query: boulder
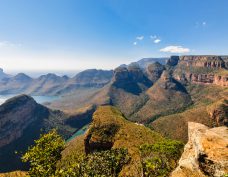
(205, 154)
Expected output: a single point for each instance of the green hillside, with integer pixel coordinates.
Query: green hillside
(110, 130)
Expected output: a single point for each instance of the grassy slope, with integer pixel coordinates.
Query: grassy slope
(129, 135)
(175, 125)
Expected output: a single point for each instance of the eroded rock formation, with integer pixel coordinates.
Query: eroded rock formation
(202, 70)
(204, 79)
(205, 154)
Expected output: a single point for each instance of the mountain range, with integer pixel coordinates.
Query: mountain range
(52, 84)
(137, 98)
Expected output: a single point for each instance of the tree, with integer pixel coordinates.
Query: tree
(45, 153)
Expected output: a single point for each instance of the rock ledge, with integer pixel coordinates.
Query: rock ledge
(205, 154)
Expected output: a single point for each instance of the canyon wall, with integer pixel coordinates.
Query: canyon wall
(202, 70)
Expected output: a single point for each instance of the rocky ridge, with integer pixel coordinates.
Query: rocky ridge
(11, 125)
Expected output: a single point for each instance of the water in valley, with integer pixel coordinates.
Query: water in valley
(38, 99)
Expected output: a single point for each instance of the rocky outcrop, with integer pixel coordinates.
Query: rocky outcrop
(131, 79)
(172, 61)
(205, 154)
(154, 71)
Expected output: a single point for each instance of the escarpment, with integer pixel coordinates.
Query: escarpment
(202, 61)
(202, 70)
(204, 79)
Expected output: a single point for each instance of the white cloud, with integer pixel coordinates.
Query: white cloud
(204, 23)
(175, 49)
(153, 36)
(134, 43)
(140, 38)
(156, 41)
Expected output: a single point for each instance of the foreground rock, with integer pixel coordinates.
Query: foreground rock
(205, 154)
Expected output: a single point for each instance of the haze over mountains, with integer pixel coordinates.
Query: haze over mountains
(52, 84)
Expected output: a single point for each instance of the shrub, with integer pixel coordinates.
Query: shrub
(43, 156)
(104, 163)
(161, 158)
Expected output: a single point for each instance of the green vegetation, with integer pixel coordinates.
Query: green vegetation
(101, 164)
(46, 152)
(159, 159)
(44, 155)
(206, 101)
(134, 150)
(128, 135)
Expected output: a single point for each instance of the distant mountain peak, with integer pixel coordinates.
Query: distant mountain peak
(22, 77)
(144, 62)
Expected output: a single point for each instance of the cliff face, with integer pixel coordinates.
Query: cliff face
(204, 79)
(205, 154)
(172, 61)
(202, 70)
(202, 61)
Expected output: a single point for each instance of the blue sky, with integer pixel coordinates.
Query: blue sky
(78, 34)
